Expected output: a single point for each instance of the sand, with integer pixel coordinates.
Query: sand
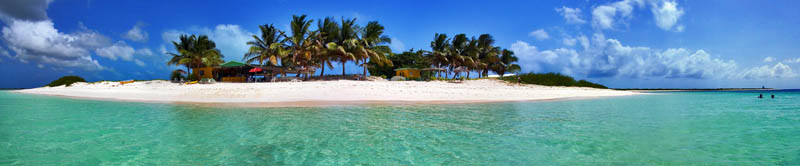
(323, 92)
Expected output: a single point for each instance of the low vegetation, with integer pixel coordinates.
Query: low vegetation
(551, 79)
(66, 80)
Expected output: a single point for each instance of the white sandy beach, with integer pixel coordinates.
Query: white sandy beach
(316, 92)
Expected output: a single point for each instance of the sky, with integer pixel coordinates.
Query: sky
(618, 43)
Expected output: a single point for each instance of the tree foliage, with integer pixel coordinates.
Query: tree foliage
(66, 80)
(551, 79)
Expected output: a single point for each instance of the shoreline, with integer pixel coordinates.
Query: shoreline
(322, 93)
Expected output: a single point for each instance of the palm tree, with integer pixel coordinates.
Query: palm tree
(373, 41)
(194, 51)
(440, 47)
(181, 58)
(459, 55)
(267, 47)
(505, 63)
(324, 42)
(487, 54)
(301, 56)
(347, 45)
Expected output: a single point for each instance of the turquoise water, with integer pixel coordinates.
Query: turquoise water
(702, 128)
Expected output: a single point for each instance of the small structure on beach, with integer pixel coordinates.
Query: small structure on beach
(409, 73)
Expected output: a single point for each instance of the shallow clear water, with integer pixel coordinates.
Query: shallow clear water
(703, 128)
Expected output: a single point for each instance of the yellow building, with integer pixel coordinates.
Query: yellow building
(409, 73)
(203, 72)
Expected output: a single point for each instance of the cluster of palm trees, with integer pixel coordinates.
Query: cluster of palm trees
(332, 41)
(195, 51)
(305, 49)
(462, 54)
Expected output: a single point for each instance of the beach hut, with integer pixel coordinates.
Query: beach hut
(233, 71)
(203, 72)
(410, 73)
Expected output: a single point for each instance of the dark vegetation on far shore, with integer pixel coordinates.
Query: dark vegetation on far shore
(693, 89)
(66, 80)
(551, 79)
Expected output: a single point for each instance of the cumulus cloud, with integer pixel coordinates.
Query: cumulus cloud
(531, 58)
(144, 51)
(769, 59)
(539, 34)
(571, 15)
(603, 57)
(397, 45)
(29, 10)
(606, 16)
(776, 71)
(119, 50)
(40, 42)
(230, 39)
(568, 41)
(139, 62)
(667, 14)
(796, 60)
(136, 33)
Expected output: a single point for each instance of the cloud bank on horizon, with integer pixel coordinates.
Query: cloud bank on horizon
(577, 43)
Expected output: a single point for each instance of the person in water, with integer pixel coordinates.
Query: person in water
(760, 96)
(773, 96)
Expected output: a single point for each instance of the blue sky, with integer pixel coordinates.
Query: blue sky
(622, 44)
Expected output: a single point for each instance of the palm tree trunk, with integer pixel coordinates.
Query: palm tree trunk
(365, 68)
(322, 73)
(343, 62)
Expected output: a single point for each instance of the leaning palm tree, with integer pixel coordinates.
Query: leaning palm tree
(324, 42)
(374, 41)
(440, 47)
(268, 47)
(346, 46)
(458, 54)
(182, 57)
(505, 63)
(301, 55)
(487, 54)
(205, 52)
(195, 51)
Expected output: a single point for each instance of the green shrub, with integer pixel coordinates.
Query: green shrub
(551, 79)
(66, 80)
(584, 83)
(176, 75)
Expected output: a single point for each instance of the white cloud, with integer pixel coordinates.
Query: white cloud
(606, 16)
(603, 57)
(136, 33)
(571, 15)
(539, 34)
(4, 52)
(230, 39)
(139, 62)
(530, 58)
(397, 45)
(569, 41)
(144, 51)
(666, 14)
(769, 59)
(29, 10)
(39, 42)
(119, 50)
(777, 71)
(796, 60)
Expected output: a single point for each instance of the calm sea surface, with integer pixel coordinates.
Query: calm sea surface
(682, 128)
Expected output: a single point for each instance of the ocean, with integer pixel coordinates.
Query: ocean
(672, 128)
